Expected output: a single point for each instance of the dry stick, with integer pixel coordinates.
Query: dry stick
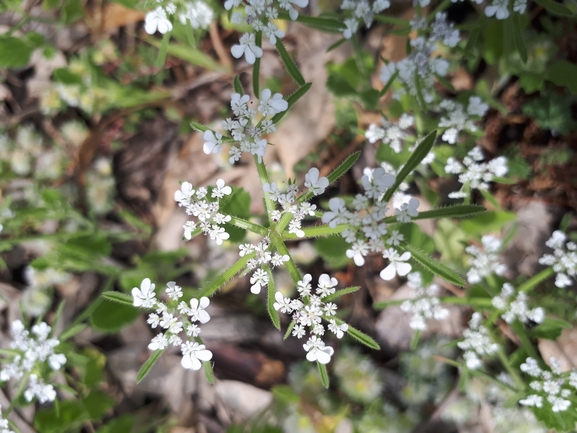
(221, 52)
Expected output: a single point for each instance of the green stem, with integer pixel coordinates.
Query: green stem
(535, 280)
(475, 372)
(317, 231)
(250, 226)
(512, 372)
(226, 275)
(263, 175)
(19, 392)
(284, 220)
(290, 265)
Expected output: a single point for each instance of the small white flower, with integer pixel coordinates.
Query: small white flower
(317, 351)
(397, 264)
(270, 106)
(326, 285)
(145, 296)
(173, 291)
(499, 9)
(193, 354)
(159, 342)
(258, 279)
(315, 184)
(338, 330)
(213, 142)
(247, 46)
(282, 303)
(387, 71)
(221, 189)
(197, 310)
(157, 20)
(337, 214)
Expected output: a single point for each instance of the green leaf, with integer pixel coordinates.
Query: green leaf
(292, 99)
(208, 372)
(65, 76)
(121, 298)
(519, 40)
(271, 300)
(550, 329)
(555, 8)
(415, 339)
(490, 221)
(237, 204)
(361, 336)
(14, 52)
(163, 50)
(147, 366)
(415, 159)
(332, 250)
(110, 316)
(122, 424)
(336, 45)
(324, 374)
(389, 84)
(72, 11)
(226, 275)
(97, 403)
(328, 25)
(236, 84)
(457, 211)
(434, 266)
(289, 330)
(71, 331)
(199, 127)
(340, 293)
(562, 73)
(289, 63)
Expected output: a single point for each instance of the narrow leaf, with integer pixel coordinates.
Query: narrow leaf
(270, 299)
(434, 266)
(341, 293)
(324, 374)
(389, 84)
(489, 197)
(71, 331)
(362, 337)
(317, 231)
(121, 298)
(415, 159)
(147, 366)
(289, 63)
(237, 85)
(420, 97)
(519, 42)
(226, 275)
(198, 127)
(536, 280)
(289, 330)
(384, 304)
(208, 372)
(555, 8)
(415, 339)
(256, 67)
(292, 99)
(320, 23)
(163, 50)
(336, 45)
(458, 211)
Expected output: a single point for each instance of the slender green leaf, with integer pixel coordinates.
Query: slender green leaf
(415, 159)
(256, 78)
(420, 97)
(226, 275)
(489, 197)
(328, 25)
(208, 372)
(121, 298)
(534, 281)
(112, 316)
(336, 45)
(389, 84)
(271, 300)
(71, 331)
(457, 211)
(163, 50)
(434, 266)
(389, 303)
(236, 84)
(555, 8)
(199, 127)
(147, 366)
(289, 330)
(341, 293)
(519, 41)
(317, 231)
(289, 63)
(324, 374)
(292, 99)
(361, 337)
(415, 339)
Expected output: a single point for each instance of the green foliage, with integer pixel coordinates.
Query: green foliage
(351, 79)
(332, 250)
(147, 366)
(111, 316)
(552, 111)
(491, 221)
(238, 204)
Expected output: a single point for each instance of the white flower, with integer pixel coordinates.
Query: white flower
(272, 32)
(338, 330)
(218, 234)
(247, 46)
(184, 195)
(314, 183)
(197, 310)
(258, 279)
(270, 106)
(338, 212)
(317, 351)
(157, 20)
(499, 9)
(326, 285)
(56, 361)
(221, 190)
(397, 264)
(145, 296)
(213, 143)
(387, 71)
(477, 107)
(282, 303)
(173, 291)
(159, 342)
(199, 14)
(193, 353)
(37, 388)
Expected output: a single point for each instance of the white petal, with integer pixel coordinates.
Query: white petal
(388, 273)
(203, 355)
(237, 51)
(403, 269)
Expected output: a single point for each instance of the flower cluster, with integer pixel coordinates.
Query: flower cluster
(552, 387)
(366, 231)
(424, 304)
(486, 261)
(391, 133)
(263, 258)
(361, 10)
(516, 309)
(175, 318)
(197, 203)
(289, 203)
(500, 9)
(563, 260)
(4, 427)
(260, 15)
(417, 71)
(477, 342)
(35, 349)
(246, 129)
(473, 173)
(195, 13)
(459, 118)
(309, 311)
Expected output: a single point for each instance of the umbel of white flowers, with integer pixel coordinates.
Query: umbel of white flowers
(35, 349)
(177, 320)
(563, 260)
